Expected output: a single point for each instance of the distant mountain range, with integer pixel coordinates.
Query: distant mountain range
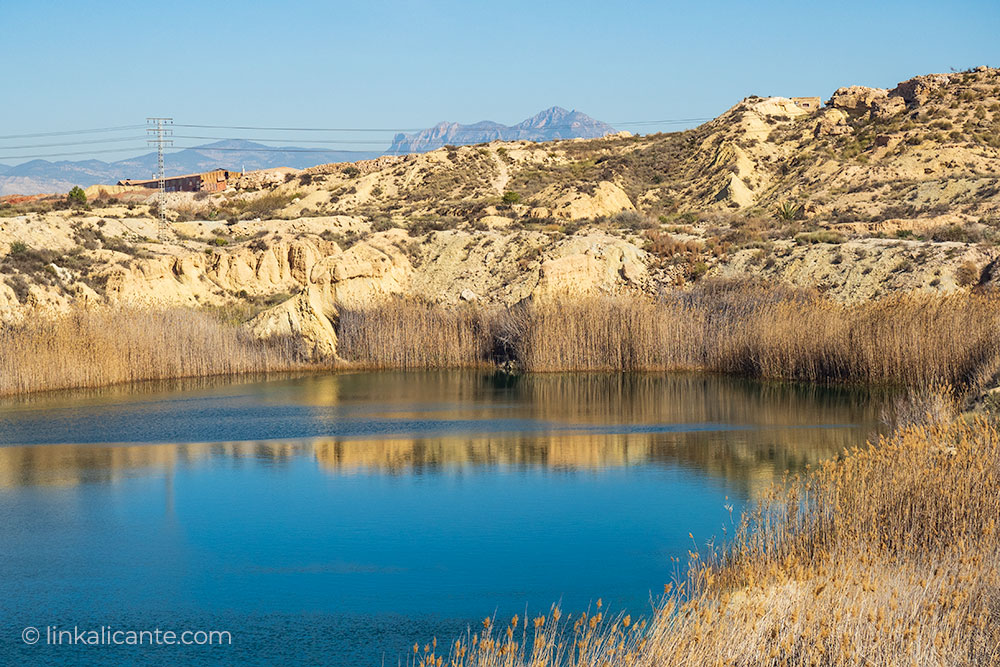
(39, 176)
(553, 123)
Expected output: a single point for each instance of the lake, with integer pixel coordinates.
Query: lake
(338, 519)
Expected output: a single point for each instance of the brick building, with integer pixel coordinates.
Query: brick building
(208, 181)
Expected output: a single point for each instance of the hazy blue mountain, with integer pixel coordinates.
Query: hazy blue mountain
(235, 155)
(553, 123)
(39, 176)
(4, 168)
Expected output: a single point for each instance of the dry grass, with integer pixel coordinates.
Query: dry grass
(914, 340)
(95, 347)
(413, 334)
(886, 557)
(911, 340)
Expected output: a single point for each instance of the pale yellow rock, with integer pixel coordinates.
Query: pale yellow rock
(96, 191)
(861, 100)
(832, 122)
(200, 279)
(363, 274)
(603, 266)
(307, 318)
(8, 300)
(605, 199)
(782, 107)
(737, 192)
(731, 155)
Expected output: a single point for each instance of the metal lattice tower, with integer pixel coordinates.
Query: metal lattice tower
(158, 131)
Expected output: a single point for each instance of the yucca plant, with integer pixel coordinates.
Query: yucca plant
(789, 211)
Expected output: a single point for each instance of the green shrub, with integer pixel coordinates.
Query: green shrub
(511, 198)
(76, 197)
(821, 236)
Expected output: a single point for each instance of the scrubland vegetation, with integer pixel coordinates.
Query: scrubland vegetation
(94, 347)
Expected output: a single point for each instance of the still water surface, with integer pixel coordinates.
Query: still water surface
(337, 519)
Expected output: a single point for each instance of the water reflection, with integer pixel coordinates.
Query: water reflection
(374, 509)
(744, 432)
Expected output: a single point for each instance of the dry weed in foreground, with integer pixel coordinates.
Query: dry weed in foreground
(885, 557)
(95, 347)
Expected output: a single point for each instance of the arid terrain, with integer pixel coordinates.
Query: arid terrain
(879, 191)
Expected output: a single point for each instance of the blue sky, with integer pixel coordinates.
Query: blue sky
(401, 64)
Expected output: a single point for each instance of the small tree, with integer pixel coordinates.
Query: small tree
(511, 197)
(77, 197)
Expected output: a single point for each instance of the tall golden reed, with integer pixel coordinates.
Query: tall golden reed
(914, 340)
(95, 347)
(411, 334)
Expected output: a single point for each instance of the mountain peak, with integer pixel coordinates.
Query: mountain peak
(552, 123)
(549, 116)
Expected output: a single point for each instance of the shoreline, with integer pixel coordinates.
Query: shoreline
(735, 329)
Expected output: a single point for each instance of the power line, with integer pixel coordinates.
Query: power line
(107, 150)
(300, 141)
(265, 150)
(72, 143)
(56, 134)
(668, 121)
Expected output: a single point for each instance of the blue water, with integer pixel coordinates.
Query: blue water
(339, 519)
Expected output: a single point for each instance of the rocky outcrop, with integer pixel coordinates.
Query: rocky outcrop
(865, 101)
(579, 203)
(833, 122)
(8, 299)
(306, 319)
(364, 273)
(601, 265)
(917, 91)
(200, 278)
(735, 192)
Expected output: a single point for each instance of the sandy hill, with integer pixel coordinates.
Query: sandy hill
(879, 190)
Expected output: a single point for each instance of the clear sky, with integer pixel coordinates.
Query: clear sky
(399, 64)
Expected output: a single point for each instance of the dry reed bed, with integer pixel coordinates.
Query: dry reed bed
(411, 334)
(913, 340)
(886, 557)
(102, 346)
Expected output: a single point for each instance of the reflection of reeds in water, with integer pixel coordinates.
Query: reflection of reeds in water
(69, 465)
(94, 347)
(747, 460)
(886, 557)
(785, 426)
